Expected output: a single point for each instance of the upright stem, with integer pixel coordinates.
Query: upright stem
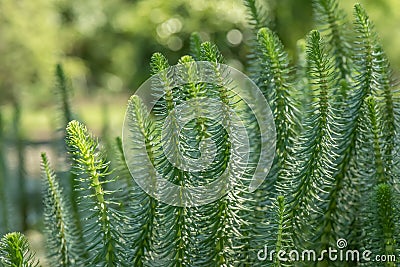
(3, 182)
(21, 179)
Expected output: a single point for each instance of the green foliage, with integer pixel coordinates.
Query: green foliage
(257, 15)
(142, 206)
(63, 90)
(332, 22)
(61, 232)
(15, 251)
(257, 19)
(275, 67)
(384, 235)
(195, 43)
(284, 240)
(313, 159)
(334, 175)
(102, 221)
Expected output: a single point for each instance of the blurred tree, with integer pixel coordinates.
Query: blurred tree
(116, 39)
(3, 184)
(27, 47)
(107, 44)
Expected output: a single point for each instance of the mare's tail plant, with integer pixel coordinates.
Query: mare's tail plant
(61, 231)
(15, 251)
(333, 184)
(63, 92)
(103, 223)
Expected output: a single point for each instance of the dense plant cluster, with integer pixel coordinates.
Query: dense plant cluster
(334, 175)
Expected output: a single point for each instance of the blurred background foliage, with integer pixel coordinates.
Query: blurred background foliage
(105, 48)
(106, 45)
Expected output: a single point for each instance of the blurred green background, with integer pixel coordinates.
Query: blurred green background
(105, 47)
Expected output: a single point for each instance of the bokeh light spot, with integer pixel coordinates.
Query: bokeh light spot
(234, 37)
